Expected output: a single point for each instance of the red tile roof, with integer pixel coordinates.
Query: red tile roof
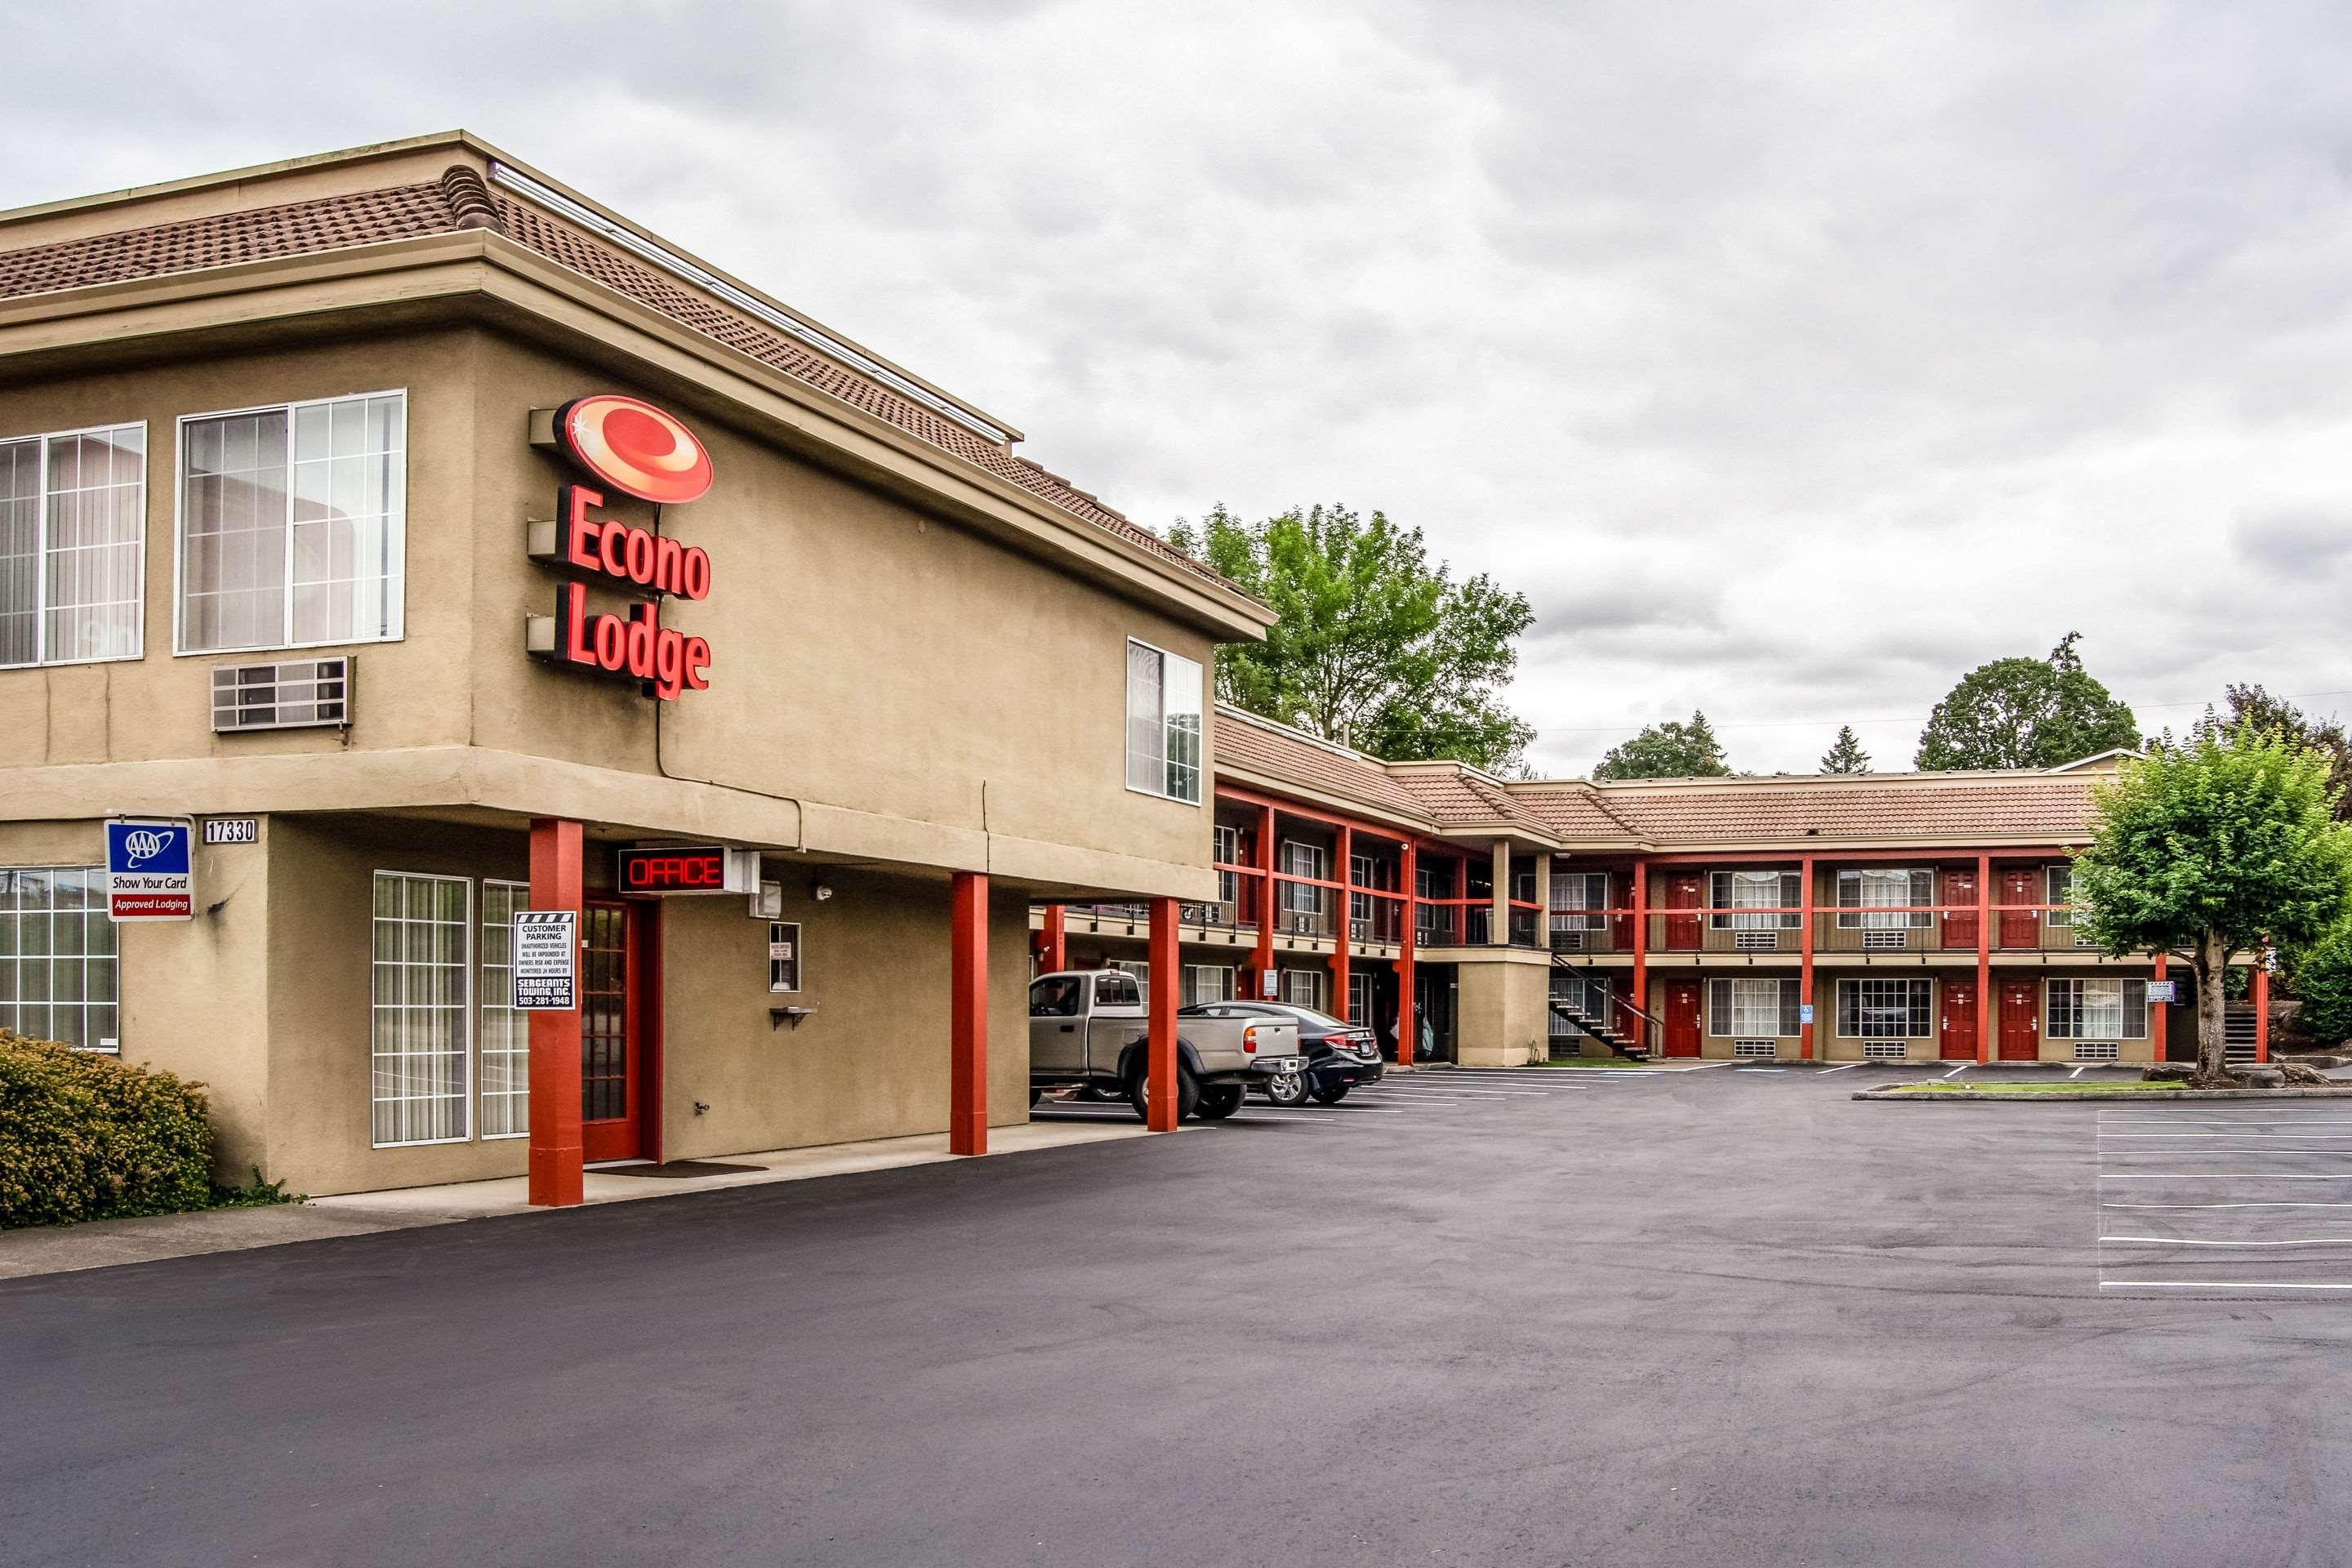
(460, 200)
(1457, 797)
(1270, 750)
(1960, 811)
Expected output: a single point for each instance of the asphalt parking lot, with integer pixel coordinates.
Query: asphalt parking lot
(1722, 1315)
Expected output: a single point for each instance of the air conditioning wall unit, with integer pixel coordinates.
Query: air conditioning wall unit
(286, 694)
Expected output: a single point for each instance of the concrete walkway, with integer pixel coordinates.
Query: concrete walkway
(57, 1249)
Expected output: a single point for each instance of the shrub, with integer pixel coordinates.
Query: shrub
(92, 1137)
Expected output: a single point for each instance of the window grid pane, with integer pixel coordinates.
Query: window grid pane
(73, 524)
(1883, 1009)
(293, 525)
(505, 1032)
(59, 979)
(1755, 1008)
(418, 1024)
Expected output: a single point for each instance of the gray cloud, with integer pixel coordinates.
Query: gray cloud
(1793, 359)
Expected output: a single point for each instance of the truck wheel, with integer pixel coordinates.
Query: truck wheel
(1099, 1091)
(1035, 1094)
(1331, 1096)
(1287, 1088)
(1188, 1092)
(1219, 1100)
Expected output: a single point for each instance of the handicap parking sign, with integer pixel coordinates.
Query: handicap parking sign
(149, 874)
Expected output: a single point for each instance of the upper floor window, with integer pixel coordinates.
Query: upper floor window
(1879, 899)
(1774, 895)
(2059, 882)
(1163, 723)
(292, 524)
(73, 526)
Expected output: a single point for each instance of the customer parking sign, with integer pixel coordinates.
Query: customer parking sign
(148, 875)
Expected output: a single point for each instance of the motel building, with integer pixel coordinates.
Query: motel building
(1887, 917)
(432, 544)
(425, 544)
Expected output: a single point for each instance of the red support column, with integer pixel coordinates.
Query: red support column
(2262, 990)
(1984, 958)
(1053, 952)
(1265, 964)
(968, 1013)
(1346, 880)
(555, 1153)
(1805, 968)
(1408, 982)
(1161, 1065)
(2156, 1015)
(1641, 877)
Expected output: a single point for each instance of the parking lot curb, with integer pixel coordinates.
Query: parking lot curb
(2136, 1096)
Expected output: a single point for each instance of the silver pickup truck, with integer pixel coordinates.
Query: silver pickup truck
(1088, 1027)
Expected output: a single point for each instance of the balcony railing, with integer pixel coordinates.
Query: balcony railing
(1865, 928)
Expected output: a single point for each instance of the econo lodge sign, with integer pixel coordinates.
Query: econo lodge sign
(629, 446)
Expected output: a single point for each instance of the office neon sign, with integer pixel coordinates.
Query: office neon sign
(640, 450)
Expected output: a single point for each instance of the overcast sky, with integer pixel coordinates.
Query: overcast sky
(1793, 359)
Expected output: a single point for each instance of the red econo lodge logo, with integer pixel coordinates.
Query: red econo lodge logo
(635, 448)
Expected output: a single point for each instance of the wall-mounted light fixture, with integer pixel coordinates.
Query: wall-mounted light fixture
(821, 892)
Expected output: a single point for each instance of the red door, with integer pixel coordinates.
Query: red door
(1960, 929)
(615, 967)
(1682, 1017)
(1684, 893)
(2019, 926)
(1959, 1032)
(2021, 1020)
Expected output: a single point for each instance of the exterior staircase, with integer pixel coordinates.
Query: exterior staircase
(2237, 1034)
(1605, 1029)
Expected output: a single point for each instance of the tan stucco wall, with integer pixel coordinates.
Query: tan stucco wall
(872, 1063)
(1502, 1016)
(898, 686)
(193, 992)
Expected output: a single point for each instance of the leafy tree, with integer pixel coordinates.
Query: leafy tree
(2252, 709)
(2026, 713)
(2320, 972)
(1373, 646)
(1673, 750)
(1846, 756)
(2226, 843)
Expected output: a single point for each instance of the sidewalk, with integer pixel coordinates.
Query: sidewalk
(57, 1249)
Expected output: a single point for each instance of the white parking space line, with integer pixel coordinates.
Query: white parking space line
(2217, 1285)
(2309, 1137)
(2242, 1204)
(2255, 1204)
(2192, 1241)
(2076, 1073)
(1847, 1068)
(1960, 1069)
(2217, 1176)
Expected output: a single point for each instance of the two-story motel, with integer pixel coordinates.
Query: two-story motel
(440, 541)
(1887, 917)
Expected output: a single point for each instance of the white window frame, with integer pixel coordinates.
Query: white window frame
(1313, 979)
(1225, 849)
(41, 659)
(1193, 976)
(484, 1007)
(1199, 737)
(1137, 970)
(93, 915)
(179, 648)
(799, 959)
(1870, 912)
(2058, 892)
(466, 1010)
(2069, 1020)
(1864, 1029)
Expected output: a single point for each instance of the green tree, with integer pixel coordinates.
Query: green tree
(2255, 710)
(2026, 713)
(2223, 844)
(2321, 973)
(1373, 646)
(1846, 756)
(1673, 750)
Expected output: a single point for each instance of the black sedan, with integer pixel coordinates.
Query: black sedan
(1338, 1056)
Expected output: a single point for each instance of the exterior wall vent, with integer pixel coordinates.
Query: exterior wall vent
(290, 694)
(2098, 1051)
(1885, 1051)
(1764, 1048)
(1885, 940)
(1756, 942)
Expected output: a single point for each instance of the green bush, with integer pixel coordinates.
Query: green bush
(92, 1137)
(2321, 975)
